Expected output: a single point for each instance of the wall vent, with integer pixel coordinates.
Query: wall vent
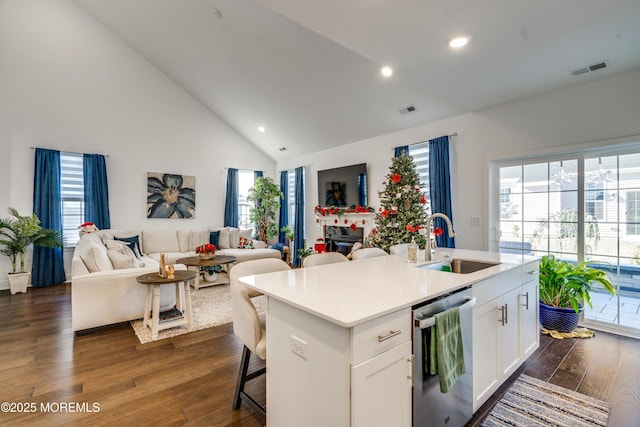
(409, 109)
(589, 68)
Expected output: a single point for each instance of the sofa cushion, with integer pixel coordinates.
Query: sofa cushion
(223, 238)
(133, 242)
(93, 253)
(243, 255)
(234, 237)
(161, 240)
(188, 240)
(122, 260)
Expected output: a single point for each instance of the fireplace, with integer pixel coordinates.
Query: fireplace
(340, 232)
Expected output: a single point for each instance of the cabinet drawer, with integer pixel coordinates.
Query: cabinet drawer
(378, 335)
(493, 287)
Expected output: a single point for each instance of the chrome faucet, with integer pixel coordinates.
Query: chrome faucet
(429, 250)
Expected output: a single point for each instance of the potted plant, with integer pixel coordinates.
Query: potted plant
(564, 288)
(16, 235)
(288, 234)
(267, 196)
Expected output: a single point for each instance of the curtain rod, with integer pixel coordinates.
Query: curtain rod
(33, 148)
(414, 143)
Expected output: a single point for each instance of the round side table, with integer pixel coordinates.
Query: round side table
(198, 262)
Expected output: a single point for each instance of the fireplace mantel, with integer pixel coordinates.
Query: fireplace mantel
(365, 220)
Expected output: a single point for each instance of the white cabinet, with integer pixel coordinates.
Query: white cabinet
(356, 376)
(505, 329)
(381, 389)
(529, 310)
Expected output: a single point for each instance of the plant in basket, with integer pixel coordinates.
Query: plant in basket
(564, 288)
(206, 251)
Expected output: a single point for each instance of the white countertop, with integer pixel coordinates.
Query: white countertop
(350, 293)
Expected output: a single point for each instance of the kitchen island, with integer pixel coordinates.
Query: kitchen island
(339, 335)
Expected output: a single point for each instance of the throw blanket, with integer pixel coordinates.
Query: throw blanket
(446, 355)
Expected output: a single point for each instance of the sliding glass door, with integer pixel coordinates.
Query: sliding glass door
(584, 206)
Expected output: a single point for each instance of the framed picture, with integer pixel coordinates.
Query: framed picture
(336, 194)
(171, 196)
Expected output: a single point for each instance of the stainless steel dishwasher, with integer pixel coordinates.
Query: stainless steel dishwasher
(430, 406)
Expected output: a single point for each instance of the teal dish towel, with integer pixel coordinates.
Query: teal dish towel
(446, 350)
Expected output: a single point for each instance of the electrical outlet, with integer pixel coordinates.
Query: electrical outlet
(299, 347)
(475, 221)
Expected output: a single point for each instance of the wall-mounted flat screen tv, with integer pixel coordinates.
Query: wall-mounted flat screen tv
(343, 187)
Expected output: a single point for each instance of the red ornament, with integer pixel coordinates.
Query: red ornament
(437, 231)
(411, 228)
(354, 226)
(396, 178)
(385, 213)
(335, 221)
(423, 200)
(363, 222)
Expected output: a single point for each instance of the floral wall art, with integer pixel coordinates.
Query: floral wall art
(171, 196)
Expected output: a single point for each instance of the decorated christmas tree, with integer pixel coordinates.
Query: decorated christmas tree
(403, 206)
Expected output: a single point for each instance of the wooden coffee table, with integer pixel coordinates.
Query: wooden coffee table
(152, 302)
(197, 262)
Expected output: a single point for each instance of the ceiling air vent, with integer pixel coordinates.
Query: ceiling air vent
(588, 68)
(409, 109)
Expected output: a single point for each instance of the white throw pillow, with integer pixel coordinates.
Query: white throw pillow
(198, 238)
(234, 237)
(246, 233)
(121, 261)
(223, 238)
(94, 253)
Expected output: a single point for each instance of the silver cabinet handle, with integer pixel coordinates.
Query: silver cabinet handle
(391, 334)
(531, 273)
(526, 299)
(501, 315)
(506, 314)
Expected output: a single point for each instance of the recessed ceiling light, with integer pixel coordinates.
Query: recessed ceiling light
(458, 41)
(262, 129)
(386, 71)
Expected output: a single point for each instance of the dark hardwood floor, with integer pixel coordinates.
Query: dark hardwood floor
(190, 379)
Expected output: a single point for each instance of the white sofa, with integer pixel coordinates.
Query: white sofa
(104, 289)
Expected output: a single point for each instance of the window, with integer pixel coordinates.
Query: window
(583, 206)
(420, 154)
(72, 192)
(246, 180)
(633, 212)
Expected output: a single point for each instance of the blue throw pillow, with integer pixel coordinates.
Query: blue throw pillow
(214, 238)
(133, 242)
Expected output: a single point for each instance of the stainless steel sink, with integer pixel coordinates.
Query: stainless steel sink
(462, 266)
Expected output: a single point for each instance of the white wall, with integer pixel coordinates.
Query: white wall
(67, 83)
(581, 115)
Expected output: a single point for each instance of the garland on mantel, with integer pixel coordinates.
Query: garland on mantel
(339, 212)
(334, 210)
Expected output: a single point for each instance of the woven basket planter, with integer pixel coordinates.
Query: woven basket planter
(559, 319)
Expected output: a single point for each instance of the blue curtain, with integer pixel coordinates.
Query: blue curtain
(284, 211)
(440, 186)
(231, 204)
(362, 189)
(298, 226)
(48, 265)
(397, 152)
(257, 174)
(96, 191)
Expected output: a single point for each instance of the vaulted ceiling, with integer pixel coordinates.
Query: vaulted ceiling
(308, 71)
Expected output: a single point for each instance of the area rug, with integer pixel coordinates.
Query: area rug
(210, 307)
(532, 402)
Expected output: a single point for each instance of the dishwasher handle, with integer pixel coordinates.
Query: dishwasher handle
(431, 321)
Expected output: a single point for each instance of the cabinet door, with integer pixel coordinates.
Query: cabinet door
(508, 344)
(485, 352)
(381, 389)
(529, 335)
